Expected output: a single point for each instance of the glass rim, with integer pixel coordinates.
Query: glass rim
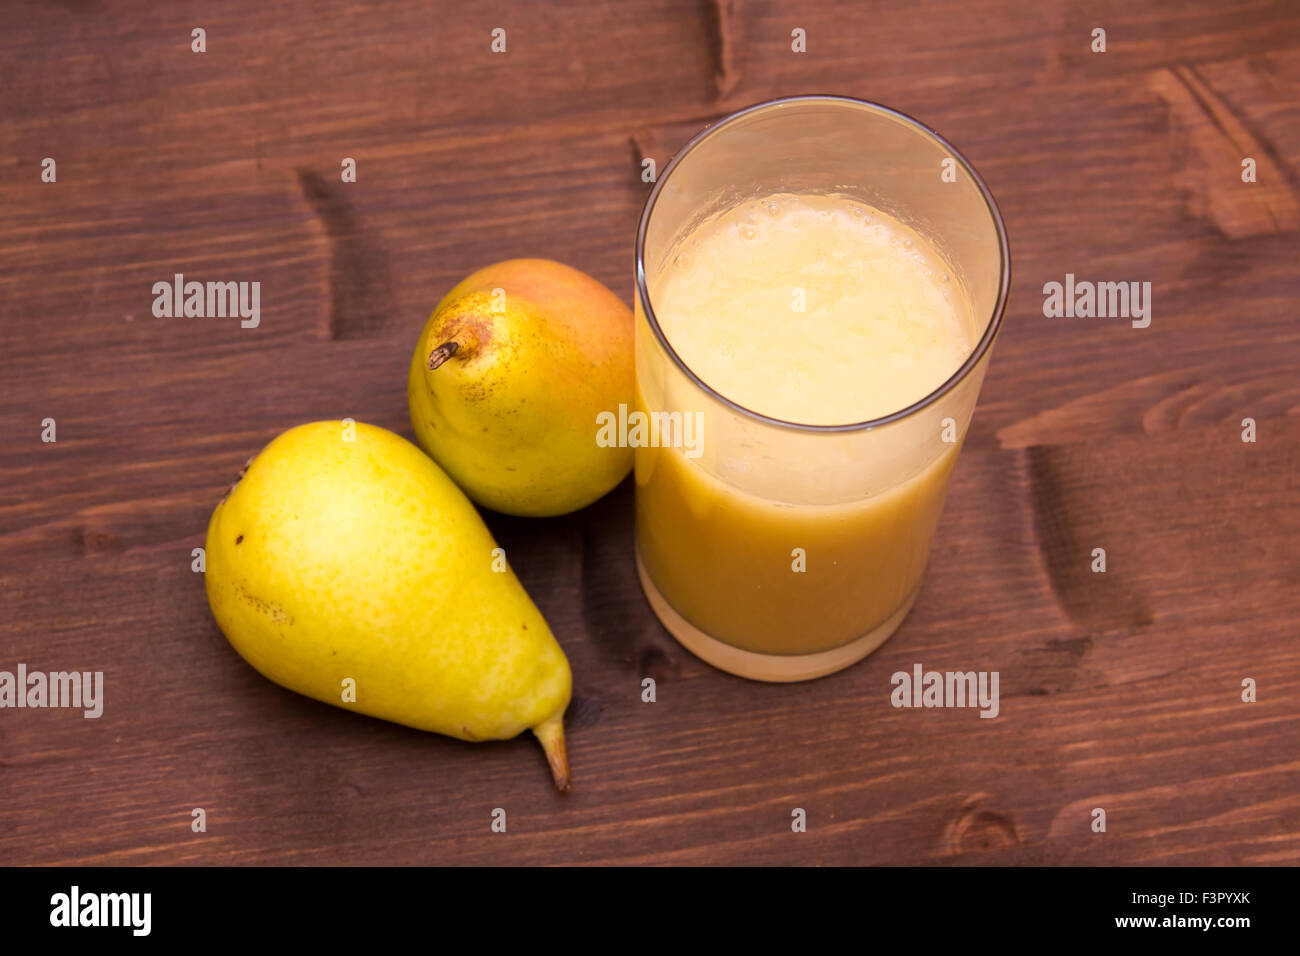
(981, 347)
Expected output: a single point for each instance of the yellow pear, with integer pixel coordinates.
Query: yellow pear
(345, 565)
(507, 381)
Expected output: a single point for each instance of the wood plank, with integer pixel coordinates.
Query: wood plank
(1119, 690)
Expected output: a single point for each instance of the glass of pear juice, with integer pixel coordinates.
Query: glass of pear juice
(819, 281)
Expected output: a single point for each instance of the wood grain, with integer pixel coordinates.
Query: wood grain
(1119, 690)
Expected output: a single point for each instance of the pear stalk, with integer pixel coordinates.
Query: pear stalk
(443, 352)
(551, 734)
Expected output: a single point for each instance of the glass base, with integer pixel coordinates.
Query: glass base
(775, 668)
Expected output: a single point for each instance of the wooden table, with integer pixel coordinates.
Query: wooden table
(1119, 690)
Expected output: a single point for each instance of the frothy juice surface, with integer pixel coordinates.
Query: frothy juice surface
(813, 309)
(817, 310)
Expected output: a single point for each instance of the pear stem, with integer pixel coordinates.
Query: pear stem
(551, 734)
(443, 352)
